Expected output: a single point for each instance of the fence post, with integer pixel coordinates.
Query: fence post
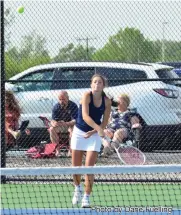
(3, 142)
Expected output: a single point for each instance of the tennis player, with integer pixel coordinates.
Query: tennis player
(87, 134)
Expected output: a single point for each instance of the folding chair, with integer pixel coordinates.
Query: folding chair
(64, 139)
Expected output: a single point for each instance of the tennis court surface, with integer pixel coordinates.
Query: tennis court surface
(153, 189)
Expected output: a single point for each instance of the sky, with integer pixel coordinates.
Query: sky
(63, 22)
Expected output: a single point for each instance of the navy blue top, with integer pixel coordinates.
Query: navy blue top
(94, 112)
(66, 114)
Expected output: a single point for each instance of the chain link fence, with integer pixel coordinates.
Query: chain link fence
(60, 45)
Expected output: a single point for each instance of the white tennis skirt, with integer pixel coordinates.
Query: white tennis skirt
(79, 142)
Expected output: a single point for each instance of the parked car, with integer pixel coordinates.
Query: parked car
(177, 71)
(173, 64)
(158, 102)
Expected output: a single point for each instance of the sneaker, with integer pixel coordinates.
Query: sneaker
(86, 201)
(77, 195)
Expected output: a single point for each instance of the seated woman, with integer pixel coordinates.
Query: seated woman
(120, 124)
(12, 115)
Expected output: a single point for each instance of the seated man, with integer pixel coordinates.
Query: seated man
(64, 114)
(121, 123)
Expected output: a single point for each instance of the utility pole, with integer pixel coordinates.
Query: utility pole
(163, 40)
(87, 39)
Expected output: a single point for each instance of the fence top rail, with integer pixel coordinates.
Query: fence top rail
(91, 170)
(88, 80)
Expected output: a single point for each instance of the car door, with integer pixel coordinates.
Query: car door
(34, 95)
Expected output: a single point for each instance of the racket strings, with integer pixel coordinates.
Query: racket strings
(131, 156)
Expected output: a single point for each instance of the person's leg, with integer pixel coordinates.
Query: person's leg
(91, 158)
(54, 134)
(8, 136)
(107, 146)
(77, 161)
(109, 133)
(70, 130)
(15, 134)
(119, 136)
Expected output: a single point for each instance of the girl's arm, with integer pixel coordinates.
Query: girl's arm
(107, 112)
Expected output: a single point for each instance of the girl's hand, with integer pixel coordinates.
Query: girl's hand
(101, 132)
(88, 134)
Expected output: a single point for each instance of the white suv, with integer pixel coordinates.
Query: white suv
(158, 101)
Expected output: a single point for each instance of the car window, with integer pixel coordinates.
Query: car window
(168, 74)
(73, 78)
(173, 64)
(42, 75)
(177, 71)
(119, 76)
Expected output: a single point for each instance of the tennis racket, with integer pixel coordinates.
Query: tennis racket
(127, 154)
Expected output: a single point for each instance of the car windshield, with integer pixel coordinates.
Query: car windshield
(168, 74)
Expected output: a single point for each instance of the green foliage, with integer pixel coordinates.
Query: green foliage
(8, 21)
(172, 51)
(31, 53)
(128, 45)
(11, 66)
(74, 53)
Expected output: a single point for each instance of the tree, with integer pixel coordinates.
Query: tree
(8, 21)
(13, 53)
(33, 45)
(128, 45)
(31, 53)
(149, 52)
(64, 54)
(172, 51)
(73, 53)
(11, 66)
